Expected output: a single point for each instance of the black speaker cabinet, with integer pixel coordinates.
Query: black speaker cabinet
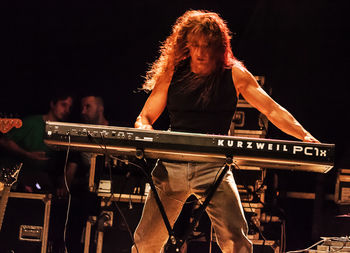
(26, 223)
(259, 246)
(117, 239)
(113, 234)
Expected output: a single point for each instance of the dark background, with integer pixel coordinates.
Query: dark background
(301, 47)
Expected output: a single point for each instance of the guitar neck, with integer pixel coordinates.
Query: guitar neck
(3, 203)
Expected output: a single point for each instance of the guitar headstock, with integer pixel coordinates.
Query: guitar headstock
(9, 175)
(6, 124)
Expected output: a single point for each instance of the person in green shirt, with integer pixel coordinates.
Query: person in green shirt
(26, 144)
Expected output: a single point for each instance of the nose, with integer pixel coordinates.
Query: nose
(83, 110)
(201, 52)
(66, 110)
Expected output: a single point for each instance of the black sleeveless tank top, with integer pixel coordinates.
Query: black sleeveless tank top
(188, 115)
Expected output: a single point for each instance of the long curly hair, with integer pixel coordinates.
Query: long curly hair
(175, 48)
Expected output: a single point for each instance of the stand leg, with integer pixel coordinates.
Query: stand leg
(99, 242)
(46, 223)
(140, 155)
(89, 223)
(92, 173)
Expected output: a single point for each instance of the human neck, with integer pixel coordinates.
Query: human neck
(49, 117)
(102, 121)
(203, 70)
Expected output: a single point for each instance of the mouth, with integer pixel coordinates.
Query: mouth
(201, 60)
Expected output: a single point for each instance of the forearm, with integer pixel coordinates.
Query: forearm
(277, 115)
(285, 121)
(13, 148)
(156, 102)
(153, 108)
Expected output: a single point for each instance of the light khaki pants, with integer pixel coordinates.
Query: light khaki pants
(175, 182)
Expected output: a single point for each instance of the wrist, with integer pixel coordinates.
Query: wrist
(309, 138)
(139, 123)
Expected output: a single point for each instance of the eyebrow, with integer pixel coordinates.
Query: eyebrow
(195, 42)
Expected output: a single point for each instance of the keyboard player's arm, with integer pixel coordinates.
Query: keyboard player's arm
(247, 85)
(155, 103)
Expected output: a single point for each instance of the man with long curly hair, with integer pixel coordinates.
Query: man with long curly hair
(199, 80)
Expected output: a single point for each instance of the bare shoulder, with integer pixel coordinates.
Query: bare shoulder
(163, 81)
(241, 76)
(238, 68)
(240, 72)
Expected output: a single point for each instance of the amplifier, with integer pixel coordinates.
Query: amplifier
(249, 181)
(113, 235)
(116, 239)
(249, 118)
(248, 122)
(342, 187)
(259, 246)
(26, 223)
(334, 244)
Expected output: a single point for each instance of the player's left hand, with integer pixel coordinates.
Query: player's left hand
(309, 138)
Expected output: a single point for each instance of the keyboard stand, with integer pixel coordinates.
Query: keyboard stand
(140, 155)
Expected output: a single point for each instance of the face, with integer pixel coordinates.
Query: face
(62, 108)
(201, 57)
(90, 110)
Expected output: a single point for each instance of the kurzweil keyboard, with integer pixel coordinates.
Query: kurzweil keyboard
(180, 146)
